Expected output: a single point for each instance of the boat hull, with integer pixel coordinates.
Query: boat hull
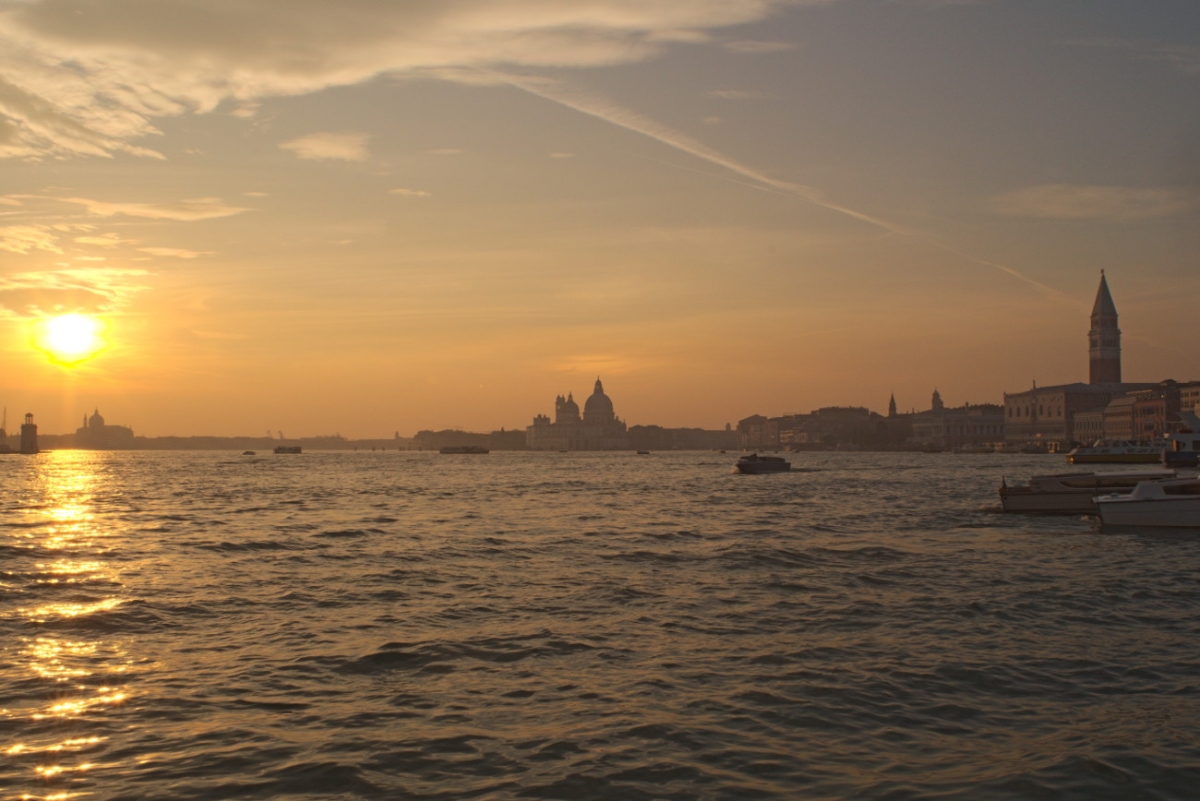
(1159, 513)
(1115, 458)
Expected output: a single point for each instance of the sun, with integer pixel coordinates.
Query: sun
(70, 338)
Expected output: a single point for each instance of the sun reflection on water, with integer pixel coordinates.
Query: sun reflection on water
(65, 515)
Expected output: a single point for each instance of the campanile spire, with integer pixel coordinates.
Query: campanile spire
(1104, 339)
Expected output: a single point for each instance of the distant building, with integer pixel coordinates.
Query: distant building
(29, 438)
(966, 425)
(599, 429)
(1104, 339)
(1047, 415)
(95, 434)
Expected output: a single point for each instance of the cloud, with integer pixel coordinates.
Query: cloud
(104, 240)
(754, 47)
(410, 192)
(24, 238)
(89, 78)
(329, 146)
(205, 208)
(1183, 58)
(84, 289)
(178, 253)
(1083, 202)
(736, 94)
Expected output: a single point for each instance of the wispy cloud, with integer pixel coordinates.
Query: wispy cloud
(409, 192)
(84, 289)
(105, 240)
(25, 238)
(329, 147)
(81, 79)
(611, 112)
(736, 94)
(1112, 203)
(754, 47)
(177, 253)
(205, 208)
(1184, 58)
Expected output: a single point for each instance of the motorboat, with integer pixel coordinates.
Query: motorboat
(1170, 503)
(1117, 451)
(1184, 450)
(1071, 493)
(755, 464)
(287, 449)
(464, 449)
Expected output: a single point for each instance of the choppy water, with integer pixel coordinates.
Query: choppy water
(582, 626)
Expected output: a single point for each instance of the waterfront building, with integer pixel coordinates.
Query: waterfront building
(1046, 416)
(96, 434)
(598, 429)
(1189, 397)
(967, 425)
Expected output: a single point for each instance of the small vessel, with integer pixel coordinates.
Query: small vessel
(464, 449)
(643, 453)
(1071, 493)
(1171, 503)
(1183, 450)
(248, 453)
(1117, 451)
(755, 464)
(287, 449)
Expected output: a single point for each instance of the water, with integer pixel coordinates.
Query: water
(582, 626)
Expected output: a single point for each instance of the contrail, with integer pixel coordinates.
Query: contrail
(615, 114)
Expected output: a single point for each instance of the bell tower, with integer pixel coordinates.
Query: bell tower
(1104, 339)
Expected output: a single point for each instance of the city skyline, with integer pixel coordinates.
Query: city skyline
(370, 218)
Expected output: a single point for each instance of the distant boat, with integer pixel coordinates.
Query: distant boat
(643, 453)
(248, 453)
(755, 464)
(1117, 451)
(287, 449)
(464, 449)
(1184, 450)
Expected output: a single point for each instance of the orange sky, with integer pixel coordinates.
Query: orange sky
(366, 218)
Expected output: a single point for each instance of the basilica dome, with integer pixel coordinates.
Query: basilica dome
(599, 408)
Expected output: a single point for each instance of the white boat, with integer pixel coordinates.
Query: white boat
(1071, 493)
(1172, 503)
(1117, 451)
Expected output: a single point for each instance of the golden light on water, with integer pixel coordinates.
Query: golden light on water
(70, 339)
(69, 528)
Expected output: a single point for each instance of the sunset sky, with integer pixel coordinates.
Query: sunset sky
(370, 216)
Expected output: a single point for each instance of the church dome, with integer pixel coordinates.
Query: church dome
(96, 421)
(598, 408)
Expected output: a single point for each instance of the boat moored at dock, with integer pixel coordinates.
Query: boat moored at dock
(1118, 451)
(1171, 503)
(1071, 493)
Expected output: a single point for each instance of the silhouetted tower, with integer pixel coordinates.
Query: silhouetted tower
(29, 436)
(937, 401)
(892, 406)
(1104, 340)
